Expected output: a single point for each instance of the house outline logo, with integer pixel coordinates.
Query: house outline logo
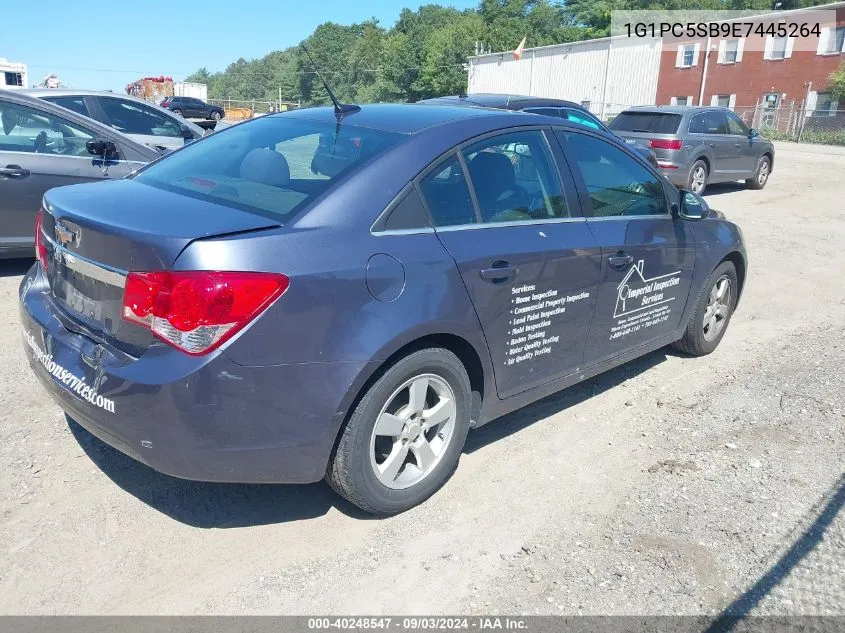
(635, 284)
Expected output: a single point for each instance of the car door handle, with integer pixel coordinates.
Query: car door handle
(712, 144)
(620, 261)
(738, 145)
(14, 171)
(499, 272)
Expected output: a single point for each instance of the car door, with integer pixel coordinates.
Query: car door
(195, 107)
(748, 152)
(721, 145)
(648, 255)
(142, 123)
(38, 151)
(513, 225)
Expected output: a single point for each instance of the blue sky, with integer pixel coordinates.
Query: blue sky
(104, 46)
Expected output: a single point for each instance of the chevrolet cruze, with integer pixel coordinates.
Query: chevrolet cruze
(344, 295)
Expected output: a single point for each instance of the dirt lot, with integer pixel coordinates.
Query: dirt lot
(671, 485)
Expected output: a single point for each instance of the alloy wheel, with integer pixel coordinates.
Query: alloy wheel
(413, 431)
(699, 176)
(718, 306)
(763, 173)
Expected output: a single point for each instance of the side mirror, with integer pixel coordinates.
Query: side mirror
(186, 132)
(101, 147)
(693, 206)
(753, 132)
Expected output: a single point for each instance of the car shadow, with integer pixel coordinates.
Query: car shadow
(218, 505)
(823, 513)
(720, 188)
(15, 267)
(557, 402)
(211, 505)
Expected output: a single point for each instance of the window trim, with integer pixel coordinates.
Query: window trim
(569, 190)
(584, 193)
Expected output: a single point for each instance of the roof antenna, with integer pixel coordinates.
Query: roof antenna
(340, 109)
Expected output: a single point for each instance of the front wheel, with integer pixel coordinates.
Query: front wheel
(713, 310)
(215, 116)
(404, 439)
(761, 175)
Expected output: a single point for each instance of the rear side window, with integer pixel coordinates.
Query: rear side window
(77, 104)
(447, 195)
(696, 124)
(272, 166)
(581, 118)
(653, 122)
(545, 111)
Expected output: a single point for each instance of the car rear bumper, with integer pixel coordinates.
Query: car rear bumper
(677, 173)
(207, 418)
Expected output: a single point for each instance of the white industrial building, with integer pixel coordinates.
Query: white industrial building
(605, 75)
(12, 75)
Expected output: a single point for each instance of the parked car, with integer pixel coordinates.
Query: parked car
(561, 108)
(308, 294)
(44, 146)
(141, 121)
(697, 146)
(192, 108)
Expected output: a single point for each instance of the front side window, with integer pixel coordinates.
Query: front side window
(24, 129)
(514, 178)
(135, 118)
(270, 166)
(617, 184)
(735, 125)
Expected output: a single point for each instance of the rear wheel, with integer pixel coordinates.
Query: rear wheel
(761, 176)
(713, 310)
(697, 180)
(404, 439)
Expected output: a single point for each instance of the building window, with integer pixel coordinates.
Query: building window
(689, 55)
(825, 104)
(730, 52)
(681, 101)
(778, 48)
(723, 101)
(14, 79)
(586, 104)
(832, 41)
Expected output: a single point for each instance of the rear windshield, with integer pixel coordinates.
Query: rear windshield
(654, 122)
(272, 166)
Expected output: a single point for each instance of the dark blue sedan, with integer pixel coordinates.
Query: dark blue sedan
(316, 295)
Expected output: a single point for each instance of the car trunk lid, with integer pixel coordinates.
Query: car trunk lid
(95, 236)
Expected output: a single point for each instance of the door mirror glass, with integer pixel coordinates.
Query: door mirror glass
(693, 206)
(101, 147)
(186, 132)
(753, 132)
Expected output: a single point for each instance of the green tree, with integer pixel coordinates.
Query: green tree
(837, 83)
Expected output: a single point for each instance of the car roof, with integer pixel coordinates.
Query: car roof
(19, 97)
(503, 101)
(405, 118)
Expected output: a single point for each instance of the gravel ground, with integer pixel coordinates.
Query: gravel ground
(670, 485)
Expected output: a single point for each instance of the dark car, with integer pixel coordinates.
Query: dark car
(192, 108)
(44, 146)
(312, 295)
(697, 146)
(561, 108)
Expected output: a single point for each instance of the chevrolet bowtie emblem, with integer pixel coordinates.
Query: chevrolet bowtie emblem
(66, 235)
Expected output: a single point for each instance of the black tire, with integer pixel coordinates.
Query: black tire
(177, 111)
(761, 174)
(350, 471)
(692, 178)
(695, 341)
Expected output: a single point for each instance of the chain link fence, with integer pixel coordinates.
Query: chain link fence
(791, 121)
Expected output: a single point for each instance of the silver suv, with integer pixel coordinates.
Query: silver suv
(698, 146)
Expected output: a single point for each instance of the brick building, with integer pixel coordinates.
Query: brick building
(757, 76)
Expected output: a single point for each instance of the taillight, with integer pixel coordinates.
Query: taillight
(40, 248)
(662, 143)
(197, 311)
